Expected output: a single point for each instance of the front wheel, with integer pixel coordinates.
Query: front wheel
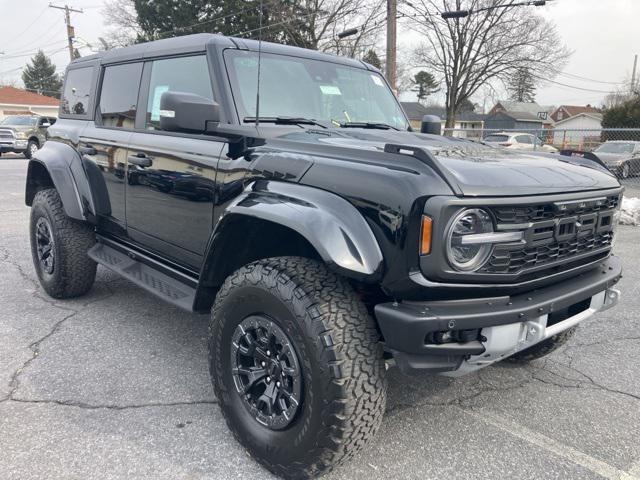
(32, 149)
(625, 171)
(297, 366)
(59, 246)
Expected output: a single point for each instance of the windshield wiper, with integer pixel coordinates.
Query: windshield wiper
(376, 125)
(285, 121)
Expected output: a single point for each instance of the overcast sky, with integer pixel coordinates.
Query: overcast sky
(604, 35)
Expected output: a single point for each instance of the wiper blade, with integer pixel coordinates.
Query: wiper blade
(376, 125)
(285, 121)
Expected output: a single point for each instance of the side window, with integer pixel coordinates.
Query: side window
(183, 74)
(524, 139)
(77, 91)
(119, 95)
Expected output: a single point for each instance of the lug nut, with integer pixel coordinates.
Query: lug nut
(268, 353)
(278, 384)
(264, 364)
(268, 379)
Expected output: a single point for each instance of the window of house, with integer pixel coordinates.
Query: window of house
(119, 95)
(183, 74)
(77, 92)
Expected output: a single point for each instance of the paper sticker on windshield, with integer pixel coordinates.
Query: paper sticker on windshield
(155, 106)
(330, 90)
(377, 80)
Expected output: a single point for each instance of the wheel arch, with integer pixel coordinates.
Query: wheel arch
(272, 219)
(58, 165)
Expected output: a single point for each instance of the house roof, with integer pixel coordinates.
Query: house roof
(17, 96)
(595, 116)
(519, 116)
(573, 110)
(415, 111)
(529, 107)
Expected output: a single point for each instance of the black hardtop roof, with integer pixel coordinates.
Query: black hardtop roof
(198, 43)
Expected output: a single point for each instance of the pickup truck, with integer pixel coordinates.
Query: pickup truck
(324, 237)
(24, 133)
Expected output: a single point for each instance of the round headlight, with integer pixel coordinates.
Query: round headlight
(468, 255)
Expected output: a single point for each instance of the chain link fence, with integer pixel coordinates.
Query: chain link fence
(617, 148)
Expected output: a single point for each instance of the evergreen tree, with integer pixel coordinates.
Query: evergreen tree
(371, 57)
(522, 86)
(424, 85)
(625, 115)
(41, 77)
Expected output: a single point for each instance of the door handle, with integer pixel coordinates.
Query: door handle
(87, 150)
(140, 159)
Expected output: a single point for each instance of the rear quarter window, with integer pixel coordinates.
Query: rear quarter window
(77, 93)
(497, 138)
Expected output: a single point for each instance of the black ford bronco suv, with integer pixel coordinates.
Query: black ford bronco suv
(326, 239)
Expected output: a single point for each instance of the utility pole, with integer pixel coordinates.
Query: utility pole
(633, 75)
(70, 30)
(392, 19)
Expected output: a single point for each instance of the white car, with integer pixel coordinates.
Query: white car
(518, 141)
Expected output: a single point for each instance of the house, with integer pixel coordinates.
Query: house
(541, 112)
(580, 132)
(15, 101)
(521, 121)
(465, 125)
(566, 111)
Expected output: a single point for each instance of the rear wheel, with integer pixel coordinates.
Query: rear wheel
(297, 365)
(59, 248)
(543, 348)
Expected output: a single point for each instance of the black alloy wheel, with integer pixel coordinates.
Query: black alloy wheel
(266, 372)
(45, 246)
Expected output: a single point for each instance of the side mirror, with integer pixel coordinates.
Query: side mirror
(45, 124)
(431, 124)
(186, 112)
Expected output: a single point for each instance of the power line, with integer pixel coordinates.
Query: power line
(586, 79)
(569, 86)
(45, 9)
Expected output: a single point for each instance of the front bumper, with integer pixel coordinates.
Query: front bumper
(508, 324)
(16, 146)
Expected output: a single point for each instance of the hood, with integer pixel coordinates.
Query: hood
(477, 169)
(16, 128)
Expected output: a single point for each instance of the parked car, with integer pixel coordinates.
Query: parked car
(620, 156)
(519, 141)
(24, 133)
(330, 240)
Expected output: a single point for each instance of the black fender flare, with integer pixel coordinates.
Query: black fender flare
(332, 226)
(81, 189)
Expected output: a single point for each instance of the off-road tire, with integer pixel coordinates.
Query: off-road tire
(543, 348)
(28, 153)
(339, 351)
(73, 271)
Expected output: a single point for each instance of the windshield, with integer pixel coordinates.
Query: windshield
(312, 89)
(19, 120)
(615, 148)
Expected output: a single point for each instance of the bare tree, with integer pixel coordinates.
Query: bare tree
(122, 17)
(317, 23)
(470, 52)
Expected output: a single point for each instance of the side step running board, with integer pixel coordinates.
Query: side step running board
(145, 276)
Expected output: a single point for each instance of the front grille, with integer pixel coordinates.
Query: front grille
(548, 211)
(6, 136)
(514, 261)
(555, 234)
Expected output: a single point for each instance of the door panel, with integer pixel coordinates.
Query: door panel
(170, 194)
(107, 149)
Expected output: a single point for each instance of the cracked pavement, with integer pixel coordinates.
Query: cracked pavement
(114, 385)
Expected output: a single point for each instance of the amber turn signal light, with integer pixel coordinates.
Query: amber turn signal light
(425, 236)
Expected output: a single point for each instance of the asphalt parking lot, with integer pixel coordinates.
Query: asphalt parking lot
(114, 385)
